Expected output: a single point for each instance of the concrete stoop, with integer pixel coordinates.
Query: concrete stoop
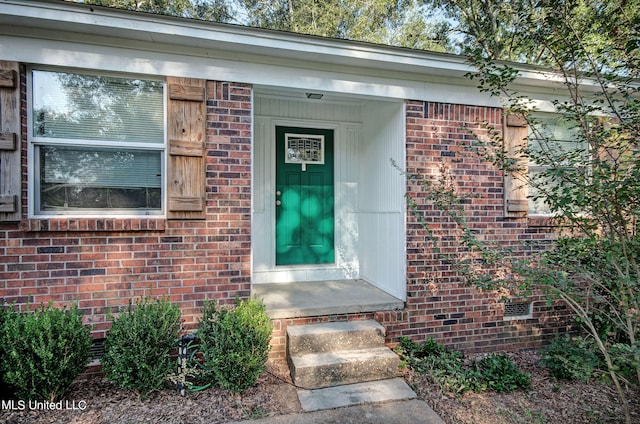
(344, 361)
(355, 394)
(336, 353)
(327, 369)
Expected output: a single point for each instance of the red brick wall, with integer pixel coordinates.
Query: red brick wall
(103, 263)
(438, 304)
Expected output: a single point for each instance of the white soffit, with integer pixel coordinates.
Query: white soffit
(86, 19)
(60, 33)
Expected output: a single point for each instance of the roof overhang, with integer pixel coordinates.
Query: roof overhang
(56, 15)
(61, 33)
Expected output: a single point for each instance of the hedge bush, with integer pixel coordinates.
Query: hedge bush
(449, 369)
(43, 351)
(571, 358)
(500, 374)
(3, 313)
(234, 343)
(441, 366)
(138, 346)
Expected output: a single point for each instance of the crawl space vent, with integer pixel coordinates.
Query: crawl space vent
(96, 350)
(516, 310)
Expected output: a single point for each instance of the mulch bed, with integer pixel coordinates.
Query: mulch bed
(549, 401)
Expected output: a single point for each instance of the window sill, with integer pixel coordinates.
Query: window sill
(546, 221)
(542, 221)
(94, 224)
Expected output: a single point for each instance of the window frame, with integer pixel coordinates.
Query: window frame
(535, 167)
(34, 141)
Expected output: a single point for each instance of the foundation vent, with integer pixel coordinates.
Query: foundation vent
(517, 310)
(96, 350)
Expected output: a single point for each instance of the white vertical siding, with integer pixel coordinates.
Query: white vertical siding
(263, 184)
(343, 118)
(347, 167)
(369, 191)
(381, 198)
(311, 110)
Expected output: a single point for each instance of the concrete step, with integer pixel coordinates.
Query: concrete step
(331, 336)
(327, 369)
(355, 394)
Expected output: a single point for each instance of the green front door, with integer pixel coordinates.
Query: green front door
(304, 196)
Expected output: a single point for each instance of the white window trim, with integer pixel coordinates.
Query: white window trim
(530, 213)
(33, 142)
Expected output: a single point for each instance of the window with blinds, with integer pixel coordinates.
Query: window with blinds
(98, 143)
(553, 144)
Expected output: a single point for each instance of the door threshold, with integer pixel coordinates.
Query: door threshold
(329, 297)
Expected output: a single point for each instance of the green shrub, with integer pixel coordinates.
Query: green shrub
(138, 347)
(571, 358)
(415, 350)
(43, 351)
(441, 366)
(449, 369)
(3, 314)
(624, 360)
(234, 343)
(500, 374)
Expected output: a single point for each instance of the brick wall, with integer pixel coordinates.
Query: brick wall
(438, 304)
(103, 263)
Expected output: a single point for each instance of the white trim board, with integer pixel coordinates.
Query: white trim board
(70, 34)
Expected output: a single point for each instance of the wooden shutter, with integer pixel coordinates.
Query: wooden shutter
(10, 171)
(516, 132)
(186, 159)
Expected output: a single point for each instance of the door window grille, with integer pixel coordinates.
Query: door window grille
(304, 149)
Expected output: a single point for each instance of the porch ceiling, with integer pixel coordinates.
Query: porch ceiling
(316, 298)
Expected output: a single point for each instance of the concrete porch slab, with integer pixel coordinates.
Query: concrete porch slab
(316, 298)
(355, 394)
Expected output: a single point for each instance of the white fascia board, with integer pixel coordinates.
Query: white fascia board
(160, 40)
(88, 19)
(67, 54)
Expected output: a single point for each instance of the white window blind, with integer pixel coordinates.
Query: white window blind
(553, 143)
(100, 167)
(90, 107)
(552, 137)
(98, 143)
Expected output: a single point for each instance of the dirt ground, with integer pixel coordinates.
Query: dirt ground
(96, 401)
